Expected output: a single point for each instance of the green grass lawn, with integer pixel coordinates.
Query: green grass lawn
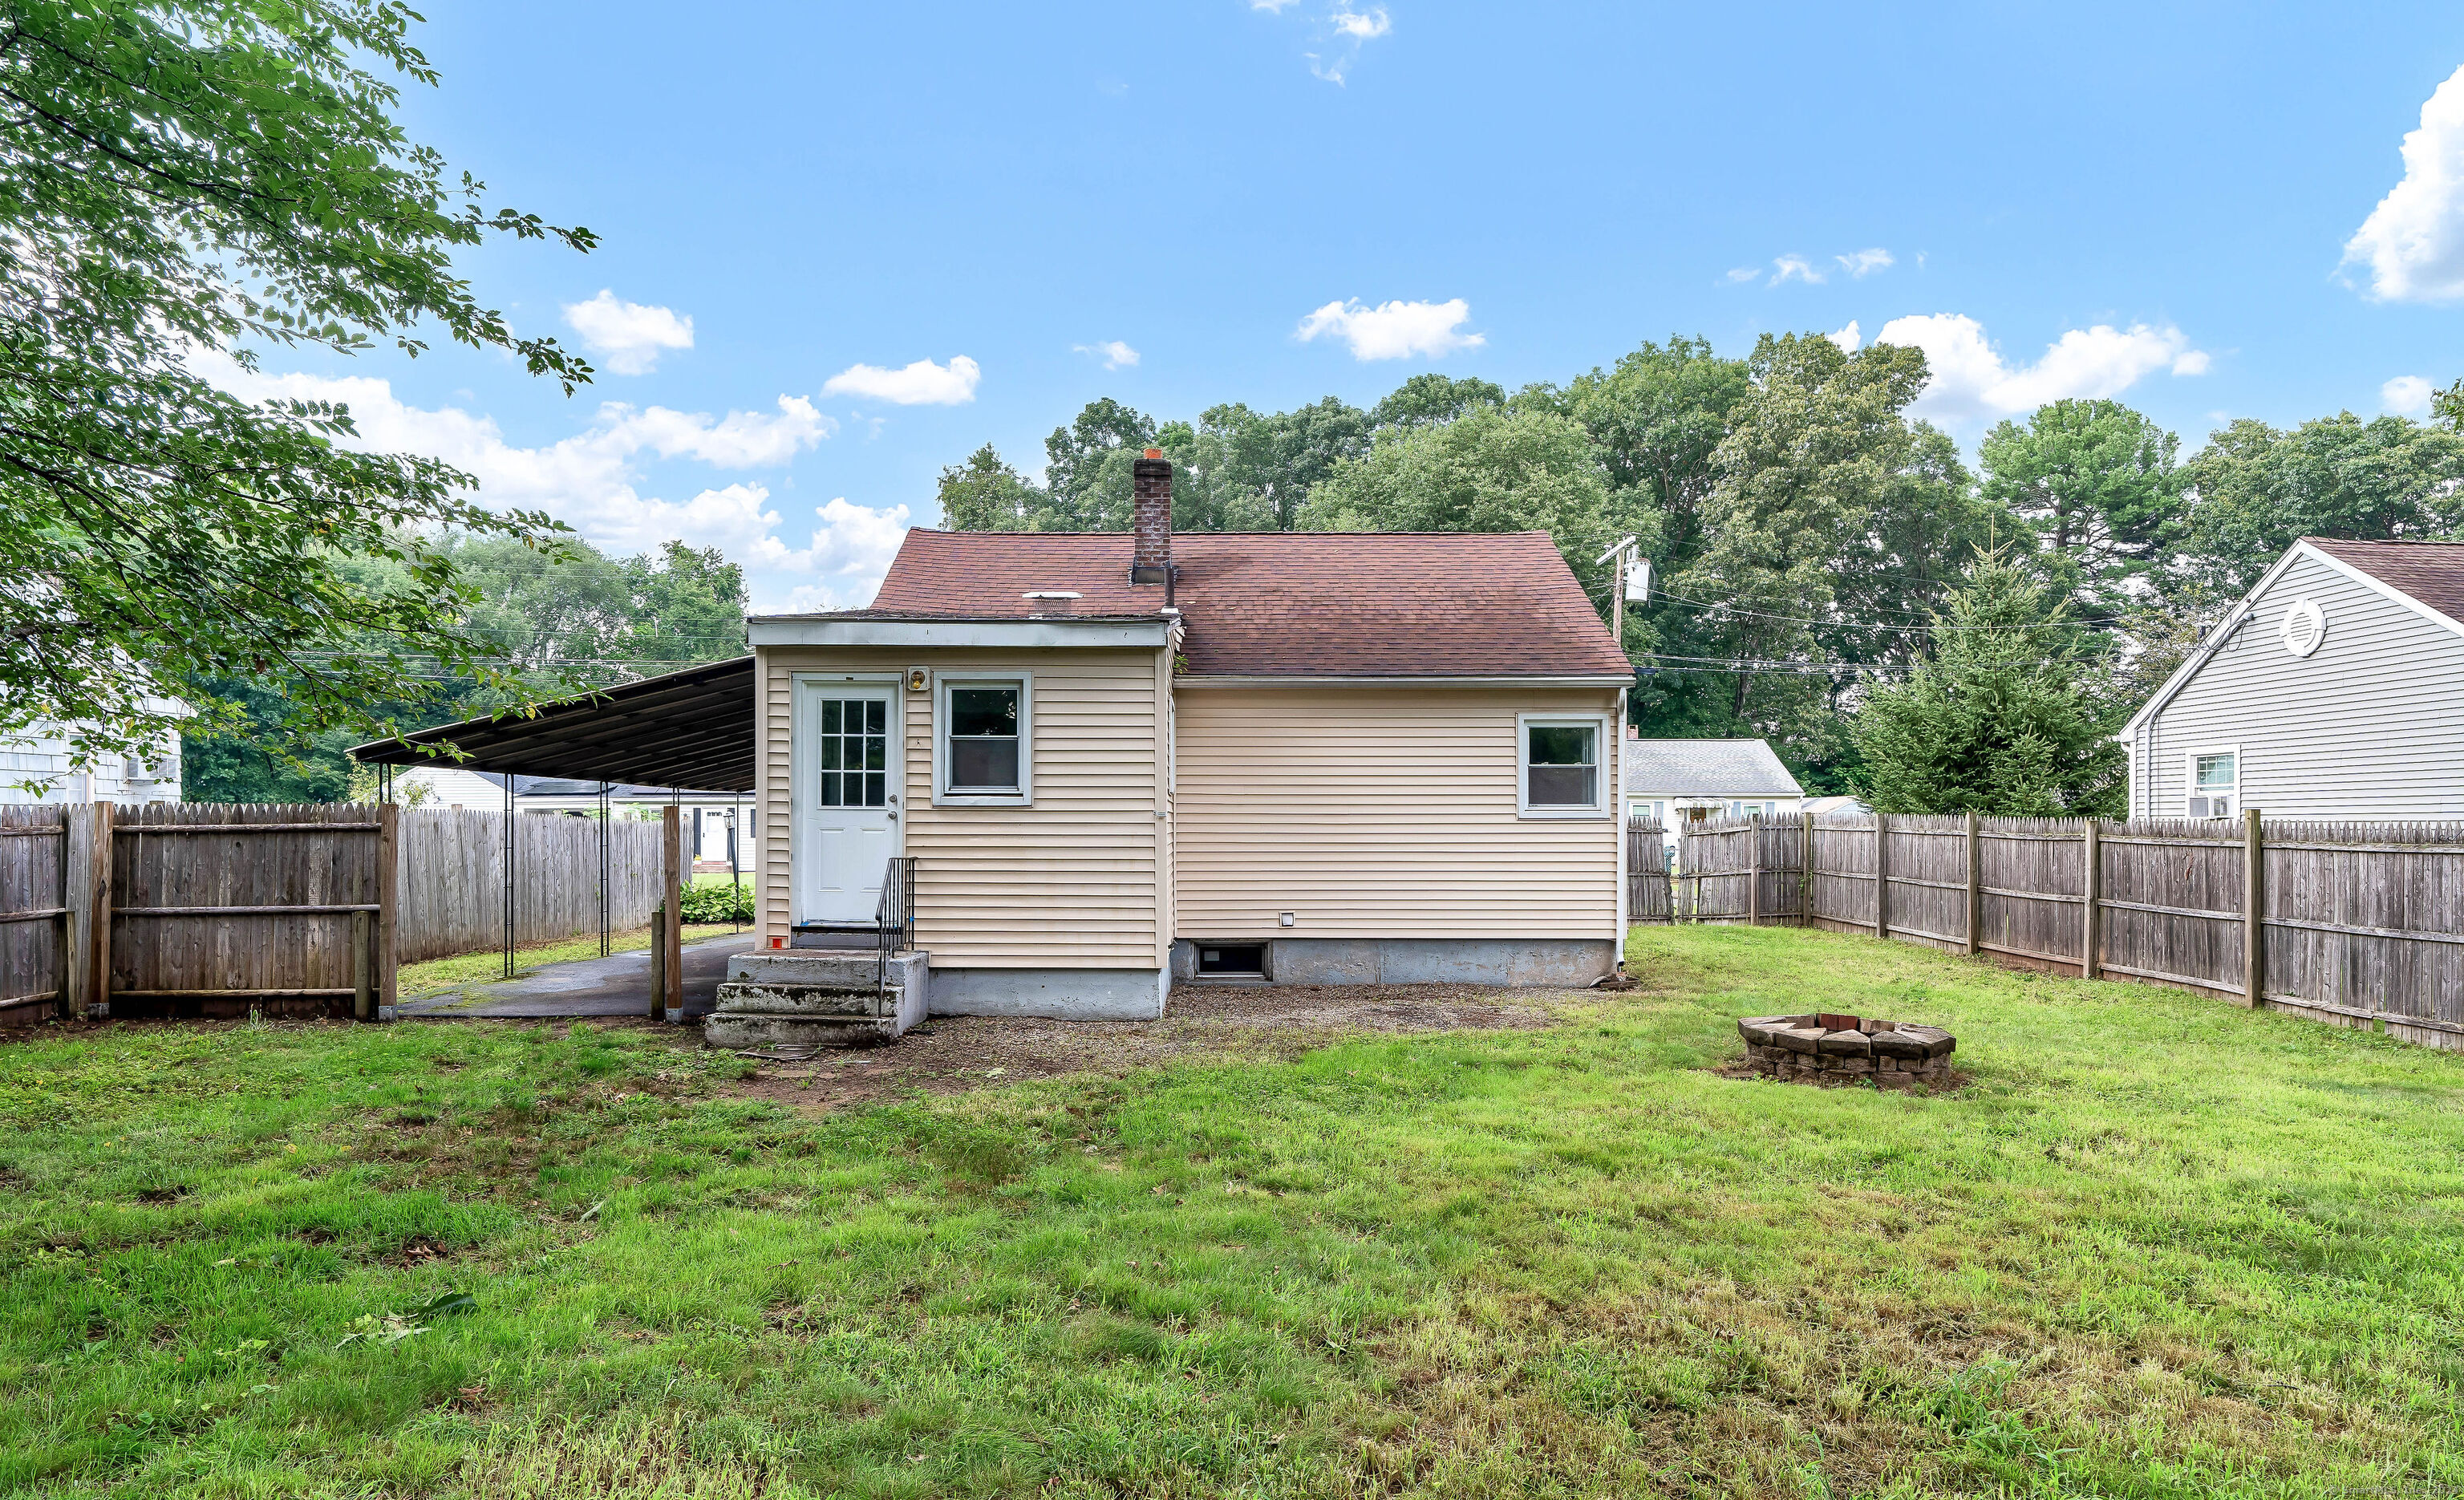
(2160, 1247)
(414, 979)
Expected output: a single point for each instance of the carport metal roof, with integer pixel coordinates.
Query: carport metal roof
(690, 728)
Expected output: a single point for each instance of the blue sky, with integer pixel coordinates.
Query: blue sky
(844, 246)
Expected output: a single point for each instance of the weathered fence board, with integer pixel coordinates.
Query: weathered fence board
(2359, 923)
(1647, 897)
(211, 903)
(452, 878)
(37, 913)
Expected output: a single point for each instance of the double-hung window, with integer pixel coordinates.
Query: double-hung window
(984, 753)
(2215, 782)
(1560, 769)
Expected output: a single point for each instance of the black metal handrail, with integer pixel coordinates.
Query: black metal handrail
(893, 916)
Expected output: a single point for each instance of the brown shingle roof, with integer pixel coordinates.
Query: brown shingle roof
(1288, 604)
(2430, 571)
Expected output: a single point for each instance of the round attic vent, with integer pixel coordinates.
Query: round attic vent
(2305, 626)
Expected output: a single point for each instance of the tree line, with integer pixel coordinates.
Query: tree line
(1818, 549)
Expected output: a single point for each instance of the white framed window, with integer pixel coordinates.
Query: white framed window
(984, 741)
(1559, 769)
(2213, 776)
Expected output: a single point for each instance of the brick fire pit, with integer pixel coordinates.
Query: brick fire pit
(1829, 1048)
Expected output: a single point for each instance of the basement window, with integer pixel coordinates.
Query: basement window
(1232, 960)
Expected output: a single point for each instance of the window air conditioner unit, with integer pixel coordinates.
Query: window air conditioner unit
(2212, 806)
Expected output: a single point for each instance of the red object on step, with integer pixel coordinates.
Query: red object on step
(777, 942)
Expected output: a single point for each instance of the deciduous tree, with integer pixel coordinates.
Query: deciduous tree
(181, 184)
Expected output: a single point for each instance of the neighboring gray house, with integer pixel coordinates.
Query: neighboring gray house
(1672, 780)
(34, 768)
(2335, 690)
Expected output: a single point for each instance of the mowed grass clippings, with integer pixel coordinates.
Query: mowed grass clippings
(2159, 1247)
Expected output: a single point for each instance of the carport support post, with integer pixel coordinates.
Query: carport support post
(388, 906)
(672, 927)
(1975, 887)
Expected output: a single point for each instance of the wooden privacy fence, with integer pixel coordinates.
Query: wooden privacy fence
(453, 878)
(2355, 924)
(39, 926)
(212, 909)
(1646, 871)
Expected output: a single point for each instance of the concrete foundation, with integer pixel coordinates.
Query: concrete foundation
(1054, 994)
(1531, 963)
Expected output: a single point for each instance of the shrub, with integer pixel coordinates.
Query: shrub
(717, 903)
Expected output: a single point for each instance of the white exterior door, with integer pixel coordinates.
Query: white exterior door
(849, 777)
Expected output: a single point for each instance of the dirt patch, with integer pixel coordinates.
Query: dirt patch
(949, 1054)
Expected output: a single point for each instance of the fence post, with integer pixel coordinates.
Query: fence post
(364, 965)
(97, 1003)
(1754, 871)
(2093, 885)
(1882, 874)
(77, 941)
(1975, 887)
(659, 960)
(2254, 904)
(1805, 868)
(672, 930)
(388, 908)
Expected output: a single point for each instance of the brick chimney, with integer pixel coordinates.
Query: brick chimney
(1150, 518)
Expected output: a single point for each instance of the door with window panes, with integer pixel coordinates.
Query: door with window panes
(849, 791)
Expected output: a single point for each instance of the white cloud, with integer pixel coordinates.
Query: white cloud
(1745, 273)
(1114, 354)
(1394, 330)
(922, 383)
(1346, 29)
(1971, 380)
(628, 335)
(1849, 338)
(2405, 395)
(1794, 268)
(1360, 25)
(846, 558)
(2413, 241)
(1865, 262)
(590, 480)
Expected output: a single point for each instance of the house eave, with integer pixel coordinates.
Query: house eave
(1151, 634)
(1391, 680)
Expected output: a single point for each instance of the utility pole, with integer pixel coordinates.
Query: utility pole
(1627, 554)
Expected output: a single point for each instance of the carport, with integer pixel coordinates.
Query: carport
(691, 728)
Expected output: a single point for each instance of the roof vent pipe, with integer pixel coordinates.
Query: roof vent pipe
(1151, 520)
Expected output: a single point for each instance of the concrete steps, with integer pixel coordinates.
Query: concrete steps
(790, 998)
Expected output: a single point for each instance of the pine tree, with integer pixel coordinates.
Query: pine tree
(1994, 718)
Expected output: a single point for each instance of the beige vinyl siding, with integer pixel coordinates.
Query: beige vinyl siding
(2369, 725)
(1374, 810)
(1074, 881)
